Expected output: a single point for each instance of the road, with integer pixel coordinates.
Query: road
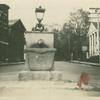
(70, 71)
(43, 90)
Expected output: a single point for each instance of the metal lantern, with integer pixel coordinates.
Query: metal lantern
(39, 15)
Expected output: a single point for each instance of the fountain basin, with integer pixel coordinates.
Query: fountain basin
(40, 59)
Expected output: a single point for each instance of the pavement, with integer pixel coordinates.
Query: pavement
(45, 90)
(70, 71)
(74, 61)
(11, 63)
(11, 89)
(86, 63)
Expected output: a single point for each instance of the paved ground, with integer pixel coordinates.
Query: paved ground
(86, 63)
(46, 90)
(71, 71)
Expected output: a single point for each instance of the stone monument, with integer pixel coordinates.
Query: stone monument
(40, 53)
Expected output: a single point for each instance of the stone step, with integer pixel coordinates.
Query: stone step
(40, 75)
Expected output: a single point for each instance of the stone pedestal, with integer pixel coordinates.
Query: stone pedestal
(39, 61)
(40, 75)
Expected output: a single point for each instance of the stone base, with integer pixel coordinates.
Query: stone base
(40, 75)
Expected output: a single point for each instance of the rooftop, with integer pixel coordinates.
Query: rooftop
(16, 22)
(12, 22)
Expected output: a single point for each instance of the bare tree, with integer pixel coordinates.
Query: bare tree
(76, 30)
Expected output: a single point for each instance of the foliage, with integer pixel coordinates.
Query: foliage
(80, 21)
(69, 40)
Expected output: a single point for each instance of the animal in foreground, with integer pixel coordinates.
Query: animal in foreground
(83, 80)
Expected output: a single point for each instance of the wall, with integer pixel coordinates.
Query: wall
(16, 45)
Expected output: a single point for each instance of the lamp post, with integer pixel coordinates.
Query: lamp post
(39, 15)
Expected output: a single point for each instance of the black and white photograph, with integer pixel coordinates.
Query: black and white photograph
(49, 49)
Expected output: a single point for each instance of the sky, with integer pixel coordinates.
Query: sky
(57, 11)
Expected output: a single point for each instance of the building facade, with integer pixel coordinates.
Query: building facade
(3, 31)
(93, 40)
(16, 41)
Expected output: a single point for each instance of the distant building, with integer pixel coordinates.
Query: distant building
(93, 40)
(3, 31)
(16, 40)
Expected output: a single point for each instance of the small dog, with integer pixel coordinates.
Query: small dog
(83, 80)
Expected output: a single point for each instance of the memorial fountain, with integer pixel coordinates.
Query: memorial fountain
(40, 53)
